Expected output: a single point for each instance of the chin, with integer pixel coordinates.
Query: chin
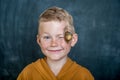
(57, 58)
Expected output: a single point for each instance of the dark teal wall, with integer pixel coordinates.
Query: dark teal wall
(97, 23)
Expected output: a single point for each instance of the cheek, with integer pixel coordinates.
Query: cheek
(43, 46)
(66, 46)
(67, 49)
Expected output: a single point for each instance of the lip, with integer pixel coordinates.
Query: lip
(58, 50)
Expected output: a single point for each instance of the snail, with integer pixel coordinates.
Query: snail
(68, 36)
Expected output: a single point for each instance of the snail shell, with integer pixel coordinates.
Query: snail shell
(68, 36)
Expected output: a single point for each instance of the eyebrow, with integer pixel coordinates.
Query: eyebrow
(61, 34)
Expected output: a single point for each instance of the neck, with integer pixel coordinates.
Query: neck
(56, 65)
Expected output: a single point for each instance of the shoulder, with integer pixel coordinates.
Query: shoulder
(31, 65)
(83, 72)
(28, 70)
(81, 69)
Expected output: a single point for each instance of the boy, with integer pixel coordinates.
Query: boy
(56, 36)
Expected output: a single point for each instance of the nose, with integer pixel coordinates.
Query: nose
(54, 43)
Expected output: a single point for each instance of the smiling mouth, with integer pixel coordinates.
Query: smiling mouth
(55, 50)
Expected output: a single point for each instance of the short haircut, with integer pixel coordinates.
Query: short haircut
(57, 14)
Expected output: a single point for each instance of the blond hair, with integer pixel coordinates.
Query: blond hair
(57, 14)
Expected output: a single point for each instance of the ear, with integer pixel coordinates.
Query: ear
(38, 40)
(74, 39)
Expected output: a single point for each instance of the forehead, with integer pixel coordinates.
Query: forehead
(52, 26)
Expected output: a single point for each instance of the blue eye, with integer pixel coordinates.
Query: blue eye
(46, 37)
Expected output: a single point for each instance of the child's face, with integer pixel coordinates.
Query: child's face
(51, 40)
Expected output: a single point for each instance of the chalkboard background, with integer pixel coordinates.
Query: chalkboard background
(97, 23)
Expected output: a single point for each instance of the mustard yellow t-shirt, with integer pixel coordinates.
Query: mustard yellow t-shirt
(39, 70)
